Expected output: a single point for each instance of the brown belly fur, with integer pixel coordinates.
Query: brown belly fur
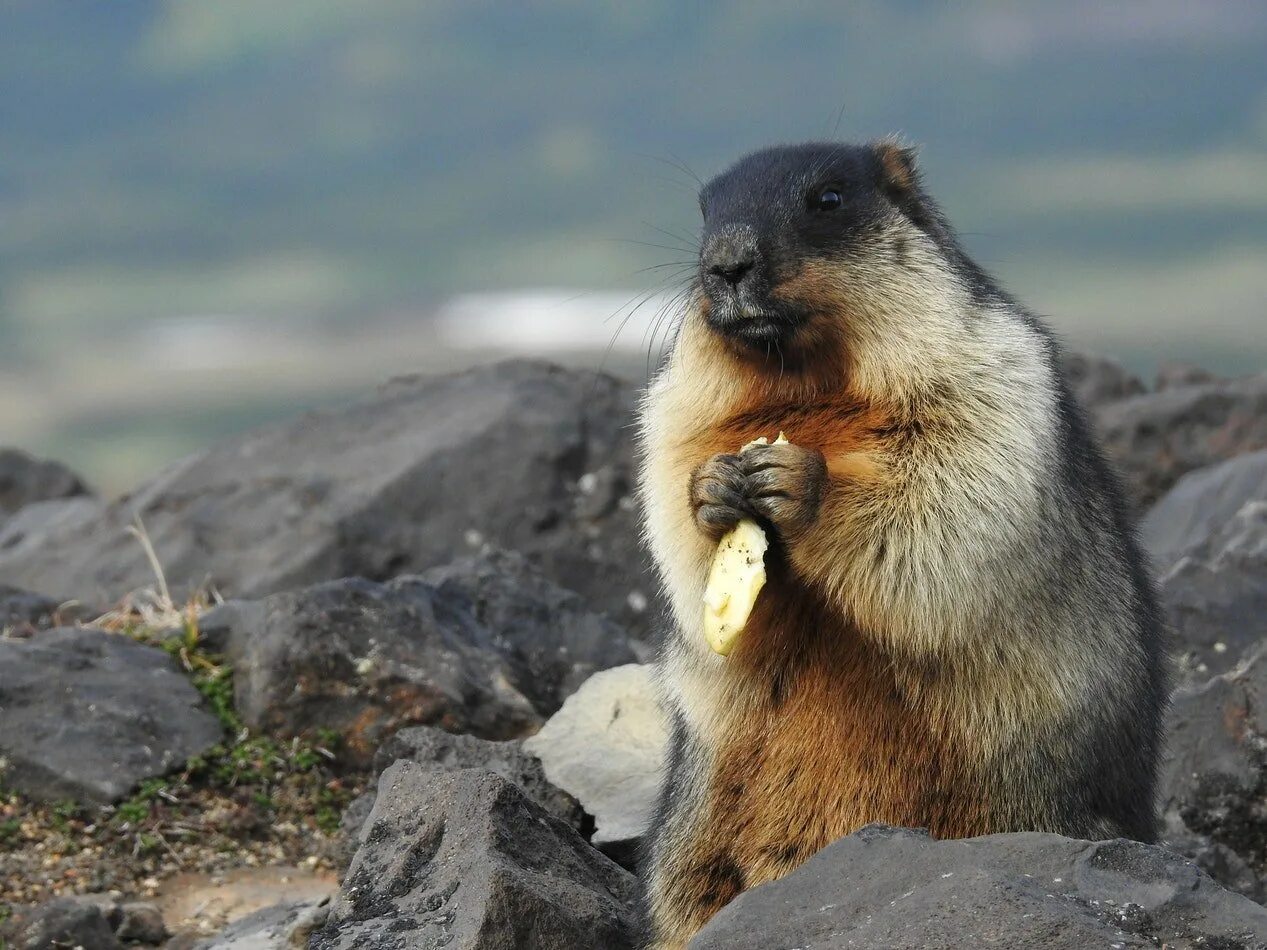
(832, 744)
(826, 739)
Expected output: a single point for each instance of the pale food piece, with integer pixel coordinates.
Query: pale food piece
(736, 577)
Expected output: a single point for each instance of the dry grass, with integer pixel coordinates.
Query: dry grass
(153, 608)
(250, 801)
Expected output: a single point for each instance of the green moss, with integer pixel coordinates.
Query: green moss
(148, 844)
(248, 790)
(329, 810)
(216, 686)
(64, 813)
(276, 775)
(132, 812)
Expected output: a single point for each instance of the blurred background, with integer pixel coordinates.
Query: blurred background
(217, 212)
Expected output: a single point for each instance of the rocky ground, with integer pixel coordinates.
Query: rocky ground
(375, 678)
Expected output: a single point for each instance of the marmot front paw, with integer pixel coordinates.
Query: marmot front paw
(780, 485)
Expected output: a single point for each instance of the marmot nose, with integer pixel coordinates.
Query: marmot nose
(731, 256)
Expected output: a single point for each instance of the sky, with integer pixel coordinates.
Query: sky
(215, 214)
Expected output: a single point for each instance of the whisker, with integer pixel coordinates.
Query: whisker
(677, 165)
(646, 298)
(676, 183)
(689, 301)
(662, 247)
(643, 270)
(689, 239)
(602, 363)
(840, 114)
(651, 329)
(639, 296)
(671, 314)
(680, 165)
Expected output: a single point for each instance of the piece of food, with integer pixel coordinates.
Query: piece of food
(736, 577)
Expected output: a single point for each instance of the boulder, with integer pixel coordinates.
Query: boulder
(445, 752)
(22, 611)
(523, 455)
(62, 923)
(216, 626)
(1156, 438)
(27, 531)
(365, 659)
(1214, 782)
(486, 646)
(1216, 595)
(1096, 380)
(466, 861)
(86, 715)
(285, 926)
(896, 888)
(140, 922)
(1200, 505)
(1174, 374)
(552, 639)
(432, 748)
(606, 746)
(88, 921)
(350, 824)
(1207, 538)
(24, 479)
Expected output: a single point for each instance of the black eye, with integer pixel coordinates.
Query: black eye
(829, 200)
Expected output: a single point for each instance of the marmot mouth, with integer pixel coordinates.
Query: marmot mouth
(758, 326)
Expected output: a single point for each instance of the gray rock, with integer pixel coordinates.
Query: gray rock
(139, 922)
(1216, 595)
(433, 748)
(24, 479)
(1096, 380)
(286, 926)
(63, 923)
(22, 611)
(86, 715)
(351, 822)
(216, 626)
(1208, 540)
(26, 532)
(1200, 505)
(606, 746)
(896, 888)
(365, 659)
(1156, 438)
(466, 861)
(522, 455)
(553, 640)
(1172, 375)
(1214, 781)
(446, 752)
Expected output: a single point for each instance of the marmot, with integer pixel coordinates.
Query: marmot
(958, 631)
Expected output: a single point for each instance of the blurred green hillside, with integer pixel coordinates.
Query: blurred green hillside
(320, 163)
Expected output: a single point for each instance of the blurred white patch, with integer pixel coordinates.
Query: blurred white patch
(553, 321)
(200, 342)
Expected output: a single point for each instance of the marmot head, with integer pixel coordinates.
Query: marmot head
(804, 244)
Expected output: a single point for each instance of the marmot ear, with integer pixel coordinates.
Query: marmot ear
(898, 172)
